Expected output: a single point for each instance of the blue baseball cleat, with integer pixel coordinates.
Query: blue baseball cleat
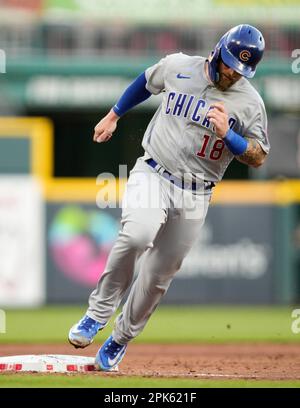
(110, 355)
(82, 333)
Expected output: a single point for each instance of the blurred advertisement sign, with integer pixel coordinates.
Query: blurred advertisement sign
(157, 11)
(284, 158)
(80, 237)
(21, 242)
(89, 85)
(265, 3)
(33, 5)
(69, 83)
(80, 241)
(76, 91)
(287, 96)
(172, 10)
(232, 262)
(244, 258)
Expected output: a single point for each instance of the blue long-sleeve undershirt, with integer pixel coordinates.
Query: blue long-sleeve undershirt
(133, 95)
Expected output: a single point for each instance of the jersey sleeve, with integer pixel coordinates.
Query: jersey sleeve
(155, 75)
(258, 128)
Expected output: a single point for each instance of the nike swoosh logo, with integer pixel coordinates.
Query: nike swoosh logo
(180, 76)
(113, 361)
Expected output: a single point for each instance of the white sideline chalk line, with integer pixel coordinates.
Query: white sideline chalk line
(211, 375)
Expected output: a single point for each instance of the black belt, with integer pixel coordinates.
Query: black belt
(208, 185)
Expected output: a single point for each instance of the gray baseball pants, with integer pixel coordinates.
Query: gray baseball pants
(160, 222)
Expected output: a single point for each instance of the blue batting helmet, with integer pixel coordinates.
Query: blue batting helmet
(241, 48)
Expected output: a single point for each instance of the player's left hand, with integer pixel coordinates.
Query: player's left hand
(219, 118)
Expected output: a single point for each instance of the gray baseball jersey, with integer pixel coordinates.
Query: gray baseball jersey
(179, 136)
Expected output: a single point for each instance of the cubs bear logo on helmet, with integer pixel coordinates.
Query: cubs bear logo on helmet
(241, 48)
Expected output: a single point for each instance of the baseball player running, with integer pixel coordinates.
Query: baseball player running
(209, 114)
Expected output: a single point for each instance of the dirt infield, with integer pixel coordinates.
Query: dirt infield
(244, 361)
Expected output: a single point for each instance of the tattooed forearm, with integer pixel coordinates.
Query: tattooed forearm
(254, 155)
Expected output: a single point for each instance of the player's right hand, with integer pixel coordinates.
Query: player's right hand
(105, 128)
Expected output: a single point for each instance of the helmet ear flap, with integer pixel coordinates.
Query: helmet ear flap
(213, 64)
(217, 75)
(214, 59)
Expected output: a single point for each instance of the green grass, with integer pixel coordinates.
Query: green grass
(167, 325)
(82, 381)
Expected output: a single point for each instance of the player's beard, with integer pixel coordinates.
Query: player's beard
(225, 82)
